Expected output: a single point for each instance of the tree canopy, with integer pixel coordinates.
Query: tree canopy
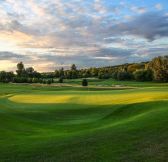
(154, 70)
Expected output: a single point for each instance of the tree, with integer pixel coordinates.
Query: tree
(143, 75)
(44, 81)
(35, 80)
(49, 81)
(94, 72)
(114, 75)
(9, 76)
(20, 69)
(84, 82)
(134, 67)
(56, 73)
(36, 74)
(159, 66)
(60, 80)
(74, 72)
(86, 73)
(29, 80)
(20, 66)
(2, 76)
(30, 72)
(61, 72)
(73, 67)
(67, 74)
(124, 76)
(102, 75)
(6, 76)
(20, 79)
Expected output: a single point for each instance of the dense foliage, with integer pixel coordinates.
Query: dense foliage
(159, 66)
(155, 70)
(143, 75)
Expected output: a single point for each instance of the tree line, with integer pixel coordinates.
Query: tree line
(154, 70)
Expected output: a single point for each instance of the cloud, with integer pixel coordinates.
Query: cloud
(89, 33)
(159, 6)
(12, 56)
(139, 10)
(114, 52)
(151, 25)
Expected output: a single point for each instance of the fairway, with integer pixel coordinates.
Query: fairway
(74, 124)
(83, 81)
(91, 98)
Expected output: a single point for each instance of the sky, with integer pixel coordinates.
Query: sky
(50, 34)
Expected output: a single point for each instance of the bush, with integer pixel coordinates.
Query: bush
(84, 82)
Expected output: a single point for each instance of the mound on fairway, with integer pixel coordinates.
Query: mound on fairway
(46, 125)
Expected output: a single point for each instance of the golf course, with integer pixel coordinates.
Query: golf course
(108, 121)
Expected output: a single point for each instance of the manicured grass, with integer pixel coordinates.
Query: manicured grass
(75, 124)
(112, 82)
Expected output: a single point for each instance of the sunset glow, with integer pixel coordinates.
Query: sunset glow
(49, 34)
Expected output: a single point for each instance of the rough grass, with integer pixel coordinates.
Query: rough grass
(50, 124)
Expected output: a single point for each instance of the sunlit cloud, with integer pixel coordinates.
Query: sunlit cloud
(54, 34)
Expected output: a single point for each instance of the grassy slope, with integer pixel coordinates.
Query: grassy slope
(94, 132)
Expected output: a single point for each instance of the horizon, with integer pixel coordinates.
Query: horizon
(78, 68)
(48, 35)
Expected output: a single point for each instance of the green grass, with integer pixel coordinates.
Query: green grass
(112, 82)
(75, 124)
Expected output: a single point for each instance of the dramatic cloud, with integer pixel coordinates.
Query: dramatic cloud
(12, 56)
(151, 25)
(58, 33)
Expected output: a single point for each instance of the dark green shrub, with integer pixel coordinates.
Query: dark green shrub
(84, 82)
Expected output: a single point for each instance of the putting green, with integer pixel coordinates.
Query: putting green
(91, 99)
(41, 99)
